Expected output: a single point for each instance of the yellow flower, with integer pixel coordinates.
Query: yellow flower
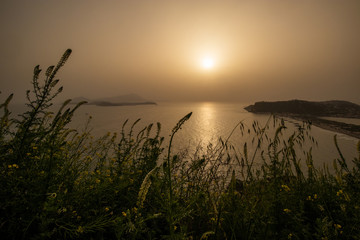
(124, 214)
(315, 196)
(286, 188)
(97, 181)
(337, 226)
(9, 166)
(287, 210)
(290, 236)
(308, 198)
(80, 229)
(52, 195)
(35, 148)
(107, 209)
(339, 193)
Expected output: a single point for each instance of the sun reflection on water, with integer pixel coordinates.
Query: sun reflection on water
(207, 123)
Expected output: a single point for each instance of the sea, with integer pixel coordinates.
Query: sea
(209, 122)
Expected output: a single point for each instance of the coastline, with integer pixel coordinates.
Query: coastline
(334, 126)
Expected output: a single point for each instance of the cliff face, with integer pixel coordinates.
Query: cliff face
(300, 107)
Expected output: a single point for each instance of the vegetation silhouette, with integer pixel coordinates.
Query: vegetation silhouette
(61, 183)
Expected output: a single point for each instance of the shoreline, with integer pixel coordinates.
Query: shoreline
(334, 126)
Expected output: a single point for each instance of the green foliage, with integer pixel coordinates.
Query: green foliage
(60, 183)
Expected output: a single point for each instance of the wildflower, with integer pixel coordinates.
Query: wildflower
(35, 148)
(287, 210)
(61, 210)
(52, 195)
(340, 192)
(28, 154)
(315, 196)
(107, 209)
(309, 198)
(124, 214)
(80, 229)
(97, 181)
(337, 226)
(286, 188)
(9, 166)
(15, 166)
(290, 236)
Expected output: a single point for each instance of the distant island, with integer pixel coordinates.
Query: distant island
(313, 112)
(123, 100)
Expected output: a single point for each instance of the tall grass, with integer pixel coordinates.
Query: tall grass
(61, 183)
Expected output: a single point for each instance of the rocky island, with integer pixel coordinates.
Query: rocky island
(313, 112)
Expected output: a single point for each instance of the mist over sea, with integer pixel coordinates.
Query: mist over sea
(208, 122)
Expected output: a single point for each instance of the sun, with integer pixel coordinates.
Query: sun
(207, 63)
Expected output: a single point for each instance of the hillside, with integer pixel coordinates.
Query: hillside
(312, 111)
(333, 108)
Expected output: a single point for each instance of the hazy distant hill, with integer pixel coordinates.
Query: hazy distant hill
(122, 100)
(131, 98)
(327, 108)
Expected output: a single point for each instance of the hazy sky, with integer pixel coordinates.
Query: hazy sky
(261, 50)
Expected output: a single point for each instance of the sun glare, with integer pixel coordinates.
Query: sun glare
(207, 63)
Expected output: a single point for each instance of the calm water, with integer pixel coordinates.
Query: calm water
(208, 122)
